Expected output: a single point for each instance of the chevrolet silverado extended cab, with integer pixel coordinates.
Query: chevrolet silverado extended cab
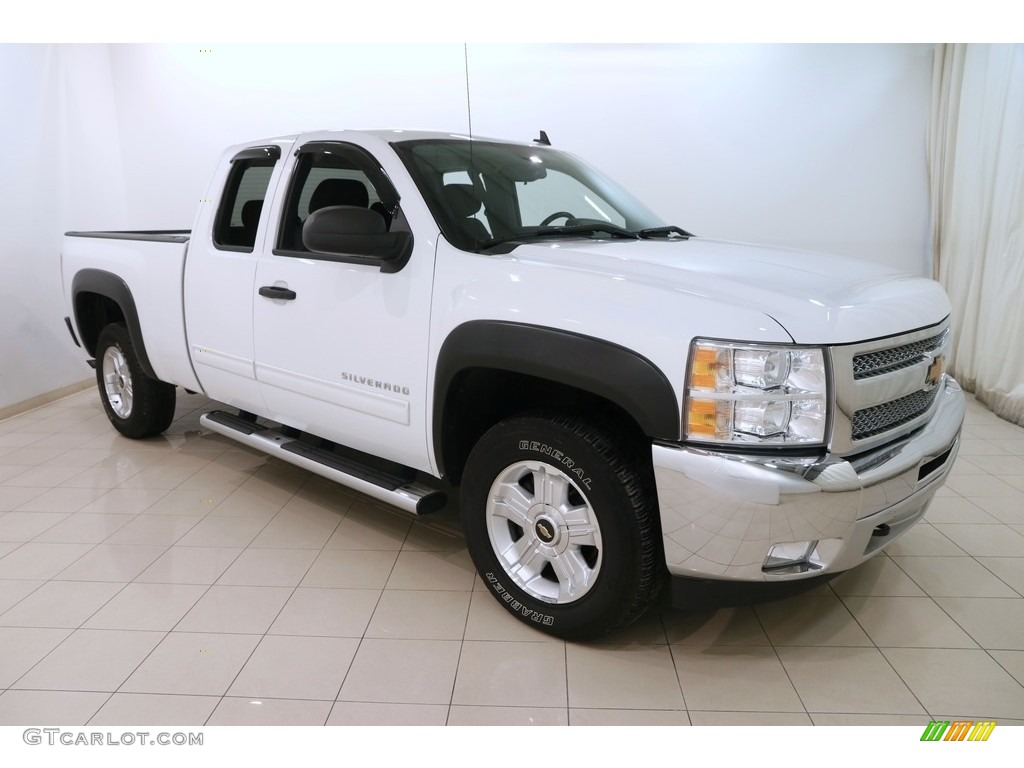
(619, 403)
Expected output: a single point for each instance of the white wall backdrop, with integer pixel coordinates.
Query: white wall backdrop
(60, 169)
(817, 147)
(179, 106)
(814, 146)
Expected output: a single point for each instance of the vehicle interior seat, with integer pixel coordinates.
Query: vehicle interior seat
(463, 202)
(251, 211)
(331, 192)
(328, 193)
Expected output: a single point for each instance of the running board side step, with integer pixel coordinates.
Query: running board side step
(401, 492)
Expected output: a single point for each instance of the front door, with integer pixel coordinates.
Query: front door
(341, 347)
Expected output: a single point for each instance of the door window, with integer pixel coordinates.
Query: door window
(330, 174)
(238, 216)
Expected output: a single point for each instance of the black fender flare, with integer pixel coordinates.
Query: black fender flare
(110, 286)
(593, 365)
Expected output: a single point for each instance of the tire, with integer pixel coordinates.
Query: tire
(136, 405)
(562, 525)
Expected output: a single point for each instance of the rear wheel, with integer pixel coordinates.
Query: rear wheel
(136, 405)
(560, 523)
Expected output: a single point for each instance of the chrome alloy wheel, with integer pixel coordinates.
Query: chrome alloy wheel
(117, 382)
(544, 532)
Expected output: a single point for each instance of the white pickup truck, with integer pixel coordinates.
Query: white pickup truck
(621, 404)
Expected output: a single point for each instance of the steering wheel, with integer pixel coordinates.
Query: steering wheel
(569, 218)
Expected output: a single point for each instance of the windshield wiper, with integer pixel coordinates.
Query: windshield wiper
(565, 231)
(666, 231)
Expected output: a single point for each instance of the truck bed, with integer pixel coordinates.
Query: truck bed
(150, 264)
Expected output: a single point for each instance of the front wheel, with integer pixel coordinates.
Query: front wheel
(136, 405)
(560, 523)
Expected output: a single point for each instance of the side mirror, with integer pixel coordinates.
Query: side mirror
(345, 230)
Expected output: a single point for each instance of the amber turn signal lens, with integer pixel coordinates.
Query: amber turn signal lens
(702, 417)
(705, 368)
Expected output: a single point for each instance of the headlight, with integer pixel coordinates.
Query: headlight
(741, 393)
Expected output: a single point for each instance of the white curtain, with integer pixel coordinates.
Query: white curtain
(976, 168)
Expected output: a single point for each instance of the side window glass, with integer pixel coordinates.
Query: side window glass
(333, 174)
(560, 192)
(242, 203)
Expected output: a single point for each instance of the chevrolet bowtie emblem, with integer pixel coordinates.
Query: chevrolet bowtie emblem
(935, 371)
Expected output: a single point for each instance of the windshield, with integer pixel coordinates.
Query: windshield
(485, 193)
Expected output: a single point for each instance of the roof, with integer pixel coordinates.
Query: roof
(383, 134)
(415, 134)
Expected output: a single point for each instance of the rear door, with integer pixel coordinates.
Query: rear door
(220, 273)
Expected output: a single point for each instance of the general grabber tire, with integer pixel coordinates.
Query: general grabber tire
(561, 525)
(136, 405)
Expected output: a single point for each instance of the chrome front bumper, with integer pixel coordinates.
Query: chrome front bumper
(722, 514)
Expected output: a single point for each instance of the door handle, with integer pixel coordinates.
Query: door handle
(277, 292)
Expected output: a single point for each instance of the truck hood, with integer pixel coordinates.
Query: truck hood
(816, 298)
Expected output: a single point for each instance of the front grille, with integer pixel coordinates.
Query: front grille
(893, 359)
(868, 422)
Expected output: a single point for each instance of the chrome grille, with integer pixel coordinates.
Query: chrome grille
(893, 359)
(868, 422)
(883, 387)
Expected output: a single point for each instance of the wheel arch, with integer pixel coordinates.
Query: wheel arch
(99, 298)
(488, 370)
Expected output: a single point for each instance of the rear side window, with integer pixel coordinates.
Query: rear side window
(241, 205)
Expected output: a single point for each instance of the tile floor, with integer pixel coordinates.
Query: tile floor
(187, 580)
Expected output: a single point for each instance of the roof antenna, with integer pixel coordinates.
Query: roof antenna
(469, 109)
(543, 139)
